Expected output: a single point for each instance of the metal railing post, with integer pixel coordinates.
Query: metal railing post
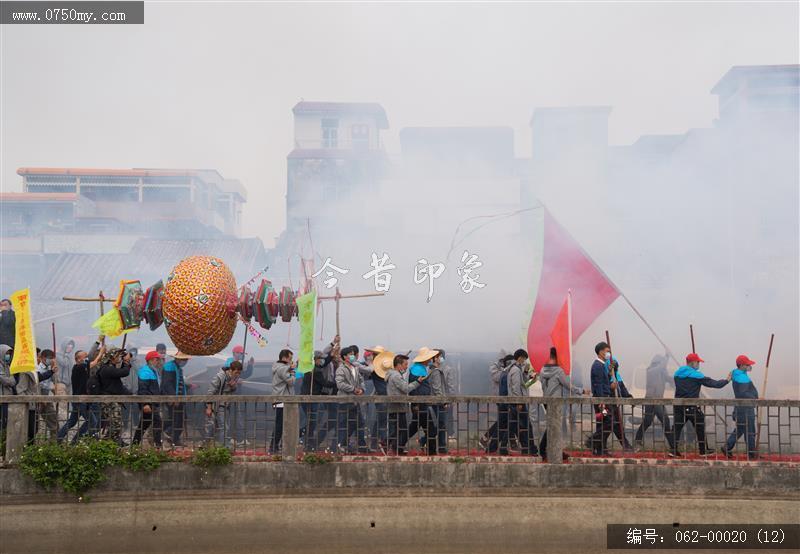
(291, 430)
(16, 431)
(555, 444)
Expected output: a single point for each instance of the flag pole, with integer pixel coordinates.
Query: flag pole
(764, 388)
(617, 392)
(607, 278)
(691, 334)
(569, 334)
(569, 328)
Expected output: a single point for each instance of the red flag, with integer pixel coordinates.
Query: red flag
(561, 336)
(565, 266)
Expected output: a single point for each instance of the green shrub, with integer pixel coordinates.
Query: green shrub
(211, 456)
(82, 466)
(137, 459)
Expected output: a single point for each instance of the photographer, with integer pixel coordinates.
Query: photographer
(114, 366)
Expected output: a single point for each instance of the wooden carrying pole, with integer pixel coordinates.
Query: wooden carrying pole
(691, 334)
(338, 296)
(617, 392)
(764, 389)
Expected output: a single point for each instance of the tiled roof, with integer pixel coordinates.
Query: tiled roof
(148, 261)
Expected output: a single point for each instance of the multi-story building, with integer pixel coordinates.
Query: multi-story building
(169, 202)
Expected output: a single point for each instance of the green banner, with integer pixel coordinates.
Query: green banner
(306, 310)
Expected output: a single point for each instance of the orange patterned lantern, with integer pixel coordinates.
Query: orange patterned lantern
(199, 305)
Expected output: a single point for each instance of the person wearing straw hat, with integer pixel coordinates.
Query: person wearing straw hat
(381, 363)
(439, 386)
(744, 416)
(372, 385)
(422, 418)
(173, 383)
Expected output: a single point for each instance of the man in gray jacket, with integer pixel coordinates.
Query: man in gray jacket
(7, 383)
(555, 383)
(283, 377)
(350, 382)
(225, 382)
(519, 423)
(658, 377)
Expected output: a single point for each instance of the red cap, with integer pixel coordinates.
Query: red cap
(238, 349)
(152, 355)
(693, 358)
(744, 360)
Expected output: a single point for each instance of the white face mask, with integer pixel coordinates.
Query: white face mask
(607, 356)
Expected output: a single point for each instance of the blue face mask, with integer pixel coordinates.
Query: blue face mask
(351, 358)
(7, 358)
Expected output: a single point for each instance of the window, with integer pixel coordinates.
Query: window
(360, 135)
(330, 133)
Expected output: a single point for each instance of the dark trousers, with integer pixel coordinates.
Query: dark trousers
(398, 432)
(277, 434)
(422, 421)
(3, 418)
(745, 419)
(145, 421)
(31, 425)
(651, 412)
(91, 421)
(173, 425)
(442, 414)
(378, 430)
(498, 430)
(599, 440)
(328, 416)
(520, 425)
(687, 414)
(351, 420)
(312, 413)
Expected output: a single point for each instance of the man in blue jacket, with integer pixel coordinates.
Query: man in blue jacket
(688, 381)
(744, 416)
(149, 385)
(606, 382)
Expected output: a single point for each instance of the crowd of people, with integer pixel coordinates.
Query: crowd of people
(387, 427)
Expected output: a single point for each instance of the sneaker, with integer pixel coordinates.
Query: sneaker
(483, 442)
(707, 454)
(726, 452)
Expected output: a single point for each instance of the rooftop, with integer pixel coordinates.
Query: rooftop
(732, 79)
(344, 108)
(7, 197)
(148, 261)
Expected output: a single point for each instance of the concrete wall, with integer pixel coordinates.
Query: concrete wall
(394, 522)
(249, 477)
(393, 507)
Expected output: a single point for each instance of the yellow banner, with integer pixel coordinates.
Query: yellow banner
(25, 342)
(306, 312)
(110, 324)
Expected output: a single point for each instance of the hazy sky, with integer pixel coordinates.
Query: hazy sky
(211, 85)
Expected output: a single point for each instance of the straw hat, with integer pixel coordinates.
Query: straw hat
(377, 349)
(382, 363)
(425, 354)
(181, 356)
